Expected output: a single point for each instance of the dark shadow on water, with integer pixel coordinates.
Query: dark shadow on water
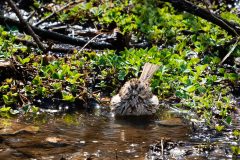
(135, 121)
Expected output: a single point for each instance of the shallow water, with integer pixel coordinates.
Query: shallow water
(98, 135)
(83, 135)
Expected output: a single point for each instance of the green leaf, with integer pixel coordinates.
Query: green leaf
(57, 86)
(201, 89)
(34, 109)
(219, 128)
(194, 61)
(14, 94)
(122, 74)
(68, 97)
(228, 119)
(5, 109)
(23, 61)
(235, 150)
(37, 80)
(236, 133)
(26, 108)
(55, 76)
(200, 68)
(4, 87)
(216, 60)
(7, 100)
(41, 91)
(231, 76)
(181, 94)
(190, 89)
(221, 70)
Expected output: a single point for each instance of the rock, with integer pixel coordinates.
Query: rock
(53, 139)
(171, 122)
(237, 61)
(13, 128)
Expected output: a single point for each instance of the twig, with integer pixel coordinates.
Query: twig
(31, 15)
(230, 52)
(53, 14)
(162, 147)
(89, 42)
(22, 98)
(207, 4)
(229, 27)
(220, 96)
(28, 27)
(116, 154)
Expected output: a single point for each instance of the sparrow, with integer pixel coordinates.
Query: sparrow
(135, 98)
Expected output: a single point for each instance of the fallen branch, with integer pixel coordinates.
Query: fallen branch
(189, 7)
(52, 49)
(44, 34)
(26, 25)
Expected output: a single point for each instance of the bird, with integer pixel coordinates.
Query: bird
(135, 97)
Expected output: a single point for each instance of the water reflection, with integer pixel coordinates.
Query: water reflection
(84, 135)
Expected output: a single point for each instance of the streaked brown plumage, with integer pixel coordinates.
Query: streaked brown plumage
(135, 98)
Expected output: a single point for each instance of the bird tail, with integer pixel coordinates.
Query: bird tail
(148, 71)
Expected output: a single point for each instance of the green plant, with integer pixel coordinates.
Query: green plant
(68, 96)
(235, 150)
(5, 112)
(219, 128)
(10, 98)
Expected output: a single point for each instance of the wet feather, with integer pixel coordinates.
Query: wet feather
(135, 98)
